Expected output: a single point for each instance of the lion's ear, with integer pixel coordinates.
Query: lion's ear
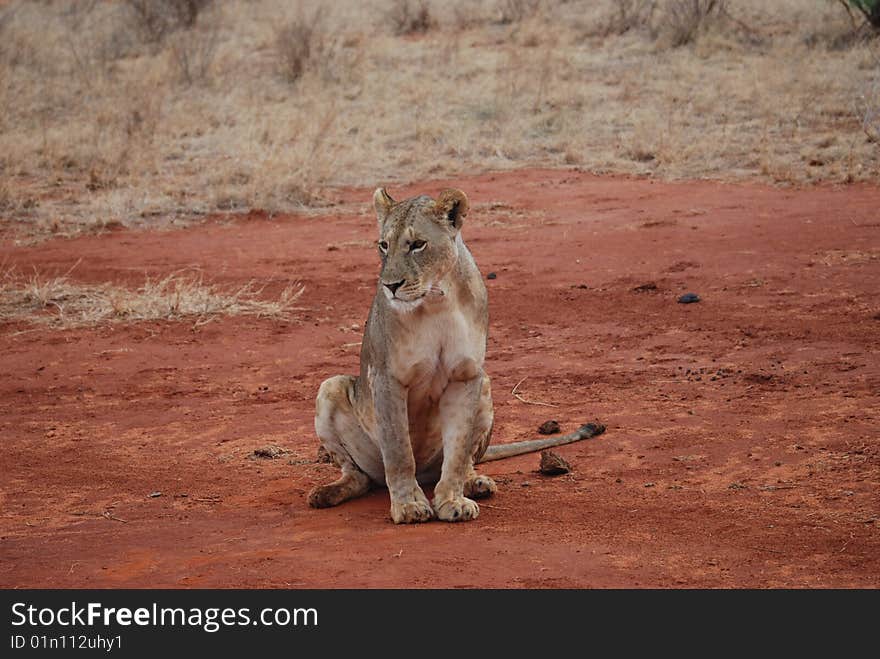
(383, 202)
(452, 206)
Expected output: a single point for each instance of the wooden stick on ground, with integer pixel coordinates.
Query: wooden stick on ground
(529, 402)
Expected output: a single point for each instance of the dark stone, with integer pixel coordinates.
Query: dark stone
(550, 427)
(553, 465)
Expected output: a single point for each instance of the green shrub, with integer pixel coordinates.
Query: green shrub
(869, 9)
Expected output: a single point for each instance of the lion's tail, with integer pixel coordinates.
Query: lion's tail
(501, 451)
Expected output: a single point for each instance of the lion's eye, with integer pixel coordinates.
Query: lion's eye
(383, 246)
(417, 245)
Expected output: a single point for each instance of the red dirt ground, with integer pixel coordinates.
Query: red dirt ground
(742, 443)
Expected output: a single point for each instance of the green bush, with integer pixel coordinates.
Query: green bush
(870, 9)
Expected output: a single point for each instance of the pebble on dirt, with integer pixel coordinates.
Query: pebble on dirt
(550, 427)
(153, 495)
(689, 298)
(647, 287)
(553, 465)
(268, 452)
(323, 455)
(492, 275)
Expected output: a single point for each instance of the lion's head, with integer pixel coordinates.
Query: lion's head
(418, 244)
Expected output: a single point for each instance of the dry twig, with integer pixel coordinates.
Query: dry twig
(529, 402)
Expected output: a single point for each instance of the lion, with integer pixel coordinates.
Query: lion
(420, 411)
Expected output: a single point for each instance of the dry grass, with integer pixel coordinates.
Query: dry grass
(60, 302)
(299, 45)
(685, 20)
(410, 16)
(869, 109)
(155, 19)
(629, 15)
(102, 126)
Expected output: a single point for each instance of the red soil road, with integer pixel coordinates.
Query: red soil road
(741, 449)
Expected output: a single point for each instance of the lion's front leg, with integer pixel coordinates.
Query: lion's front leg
(408, 503)
(458, 409)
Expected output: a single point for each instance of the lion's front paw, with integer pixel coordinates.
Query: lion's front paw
(457, 509)
(412, 512)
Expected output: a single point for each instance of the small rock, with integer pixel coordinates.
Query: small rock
(153, 495)
(553, 465)
(649, 484)
(323, 455)
(268, 452)
(646, 287)
(492, 275)
(550, 427)
(689, 298)
(524, 484)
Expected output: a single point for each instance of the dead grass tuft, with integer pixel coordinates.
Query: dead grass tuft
(60, 302)
(869, 108)
(156, 19)
(192, 54)
(299, 44)
(516, 11)
(683, 20)
(410, 17)
(629, 15)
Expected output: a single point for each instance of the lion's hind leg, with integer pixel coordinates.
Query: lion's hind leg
(478, 486)
(336, 426)
(352, 484)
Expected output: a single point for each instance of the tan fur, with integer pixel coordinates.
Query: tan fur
(421, 409)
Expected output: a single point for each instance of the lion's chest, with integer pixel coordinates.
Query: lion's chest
(434, 351)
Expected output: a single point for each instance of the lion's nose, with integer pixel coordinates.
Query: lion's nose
(394, 285)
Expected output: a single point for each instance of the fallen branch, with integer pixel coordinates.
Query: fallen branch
(109, 515)
(528, 402)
